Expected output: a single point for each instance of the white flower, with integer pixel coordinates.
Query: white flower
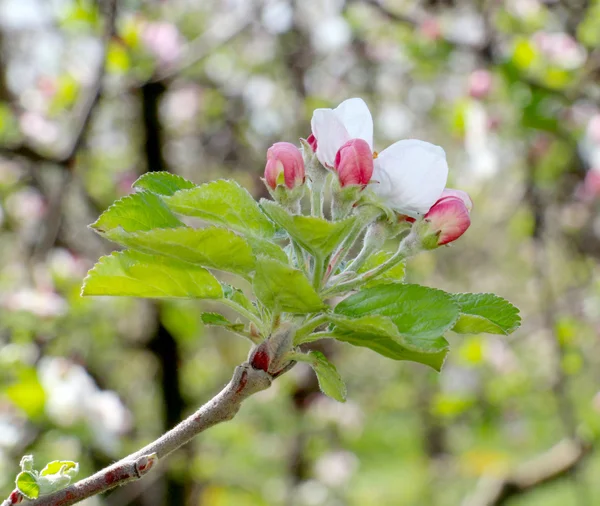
(409, 176)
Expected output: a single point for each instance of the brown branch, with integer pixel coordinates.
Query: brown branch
(83, 113)
(559, 461)
(246, 381)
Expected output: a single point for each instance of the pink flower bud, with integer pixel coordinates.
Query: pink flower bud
(449, 217)
(312, 141)
(480, 84)
(284, 165)
(354, 163)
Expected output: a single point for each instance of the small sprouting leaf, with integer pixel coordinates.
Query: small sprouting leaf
(27, 484)
(162, 183)
(380, 334)
(330, 381)
(316, 235)
(393, 275)
(215, 248)
(485, 312)
(135, 274)
(224, 203)
(282, 288)
(237, 296)
(217, 320)
(26, 463)
(67, 467)
(421, 314)
(136, 212)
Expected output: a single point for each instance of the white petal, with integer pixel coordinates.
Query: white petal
(412, 176)
(330, 134)
(357, 119)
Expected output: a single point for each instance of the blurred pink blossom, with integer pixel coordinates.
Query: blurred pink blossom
(480, 84)
(163, 40)
(42, 303)
(560, 49)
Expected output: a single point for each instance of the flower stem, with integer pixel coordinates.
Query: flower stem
(407, 248)
(308, 326)
(366, 215)
(247, 314)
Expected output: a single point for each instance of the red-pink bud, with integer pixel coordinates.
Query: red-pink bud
(260, 358)
(449, 218)
(312, 142)
(284, 165)
(354, 163)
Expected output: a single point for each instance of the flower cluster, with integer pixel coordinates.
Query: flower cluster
(407, 178)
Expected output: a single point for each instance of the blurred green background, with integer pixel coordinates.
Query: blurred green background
(510, 89)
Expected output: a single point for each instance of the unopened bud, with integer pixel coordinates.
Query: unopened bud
(285, 166)
(260, 357)
(447, 219)
(354, 163)
(312, 142)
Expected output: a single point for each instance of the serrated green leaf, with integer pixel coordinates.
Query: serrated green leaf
(393, 275)
(217, 320)
(67, 467)
(224, 203)
(162, 183)
(134, 213)
(27, 485)
(215, 248)
(330, 381)
(421, 314)
(282, 288)
(135, 274)
(485, 312)
(380, 334)
(316, 235)
(266, 247)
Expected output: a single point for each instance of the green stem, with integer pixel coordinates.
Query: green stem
(308, 326)
(364, 218)
(315, 336)
(245, 313)
(408, 247)
(318, 271)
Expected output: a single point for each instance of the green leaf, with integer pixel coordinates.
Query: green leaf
(316, 235)
(67, 467)
(485, 312)
(162, 183)
(27, 484)
(134, 213)
(282, 288)
(393, 275)
(27, 393)
(380, 334)
(224, 203)
(330, 382)
(237, 296)
(421, 314)
(216, 248)
(266, 247)
(217, 320)
(136, 274)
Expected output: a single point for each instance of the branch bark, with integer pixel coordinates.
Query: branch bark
(559, 461)
(246, 381)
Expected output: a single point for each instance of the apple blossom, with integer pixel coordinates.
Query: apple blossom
(285, 165)
(354, 163)
(447, 219)
(408, 176)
